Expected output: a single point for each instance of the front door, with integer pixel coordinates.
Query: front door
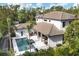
(39, 34)
(21, 33)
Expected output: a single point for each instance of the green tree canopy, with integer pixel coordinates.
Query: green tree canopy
(71, 37)
(72, 31)
(57, 8)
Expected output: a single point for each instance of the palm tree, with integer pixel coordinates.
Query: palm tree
(28, 28)
(0, 34)
(8, 22)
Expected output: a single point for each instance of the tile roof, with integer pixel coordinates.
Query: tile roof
(58, 15)
(47, 29)
(22, 25)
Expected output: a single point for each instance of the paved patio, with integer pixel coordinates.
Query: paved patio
(38, 43)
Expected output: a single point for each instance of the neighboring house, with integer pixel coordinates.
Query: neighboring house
(50, 27)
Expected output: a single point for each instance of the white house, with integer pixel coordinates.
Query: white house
(48, 31)
(51, 26)
(58, 18)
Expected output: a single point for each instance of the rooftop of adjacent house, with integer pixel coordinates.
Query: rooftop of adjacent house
(47, 29)
(57, 15)
(22, 25)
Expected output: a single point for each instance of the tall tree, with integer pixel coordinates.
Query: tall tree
(72, 37)
(28, 29)
(22, 15)
(9, 26)
(57, 8)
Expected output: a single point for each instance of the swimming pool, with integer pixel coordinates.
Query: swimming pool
(23, 44)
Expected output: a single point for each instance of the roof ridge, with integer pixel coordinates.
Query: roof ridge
(51, 29)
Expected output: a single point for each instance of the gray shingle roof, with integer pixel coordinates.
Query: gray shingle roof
(58, 15)
(22, 25)
(47, 29)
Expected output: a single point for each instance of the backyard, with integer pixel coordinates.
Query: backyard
(20, 40)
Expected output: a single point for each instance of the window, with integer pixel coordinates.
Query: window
(45, 20)
(63, 24)
(69, 21)
(49, 20)
(21, 33)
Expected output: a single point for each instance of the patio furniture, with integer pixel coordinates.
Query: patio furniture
(34, 38)
(30, 41)
(31, 33)
(36, 49)
(40, 45)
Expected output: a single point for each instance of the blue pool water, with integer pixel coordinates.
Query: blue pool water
(22, 44)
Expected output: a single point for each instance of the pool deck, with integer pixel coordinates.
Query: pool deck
(15, 47)
(38, 44)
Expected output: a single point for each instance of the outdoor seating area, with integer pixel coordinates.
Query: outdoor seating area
(34, 41)
(38, 43)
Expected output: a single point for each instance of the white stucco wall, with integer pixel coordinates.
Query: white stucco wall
(58, 24)
(39, 20)
(18, 32)
(52, 41)
(66, 24)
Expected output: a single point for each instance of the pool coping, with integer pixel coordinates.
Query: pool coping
(15, 47)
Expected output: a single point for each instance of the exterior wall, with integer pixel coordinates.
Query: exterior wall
(58, 24)
(18, 32)
(66, 24)
(54, 40)
(39, 20)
